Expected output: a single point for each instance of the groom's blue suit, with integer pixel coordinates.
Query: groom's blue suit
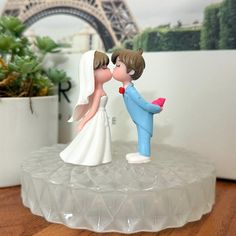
(142, 114)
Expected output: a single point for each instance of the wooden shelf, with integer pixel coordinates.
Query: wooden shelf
(16, 220)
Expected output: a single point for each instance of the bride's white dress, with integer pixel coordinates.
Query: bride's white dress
(92, 145)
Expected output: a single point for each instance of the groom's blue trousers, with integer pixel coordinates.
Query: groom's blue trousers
(144, 139)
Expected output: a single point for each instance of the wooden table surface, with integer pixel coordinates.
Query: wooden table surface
(17, 220)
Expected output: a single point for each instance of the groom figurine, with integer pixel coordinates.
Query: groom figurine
(129, 66)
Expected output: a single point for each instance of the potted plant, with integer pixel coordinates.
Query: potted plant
(28, 104)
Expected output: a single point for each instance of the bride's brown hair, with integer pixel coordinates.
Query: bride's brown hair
(100, 60)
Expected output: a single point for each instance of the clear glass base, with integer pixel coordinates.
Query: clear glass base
(176, 187)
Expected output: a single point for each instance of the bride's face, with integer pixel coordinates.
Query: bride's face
(102, 74)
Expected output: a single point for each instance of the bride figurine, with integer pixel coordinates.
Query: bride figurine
(92, 145)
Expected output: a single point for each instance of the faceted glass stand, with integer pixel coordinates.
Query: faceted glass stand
(176, 187)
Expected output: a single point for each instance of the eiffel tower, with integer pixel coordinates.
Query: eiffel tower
(112, 19)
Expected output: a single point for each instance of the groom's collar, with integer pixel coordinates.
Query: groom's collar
(129, 85)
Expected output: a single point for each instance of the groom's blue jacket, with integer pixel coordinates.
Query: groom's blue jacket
(140, 111)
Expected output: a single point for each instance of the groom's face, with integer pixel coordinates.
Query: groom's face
(120, 71)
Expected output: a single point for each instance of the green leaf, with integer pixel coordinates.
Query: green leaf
(12, 24)
(25, 65)
(46, 44)
(7, 42)
(3, 73)
(57, 76)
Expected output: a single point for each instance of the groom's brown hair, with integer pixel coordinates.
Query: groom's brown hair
(132, 59)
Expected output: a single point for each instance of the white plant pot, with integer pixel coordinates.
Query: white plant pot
(22, 132)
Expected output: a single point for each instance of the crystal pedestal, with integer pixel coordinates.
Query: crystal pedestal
(176, 187)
